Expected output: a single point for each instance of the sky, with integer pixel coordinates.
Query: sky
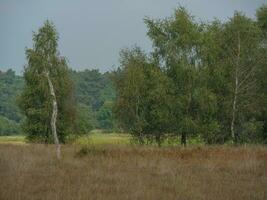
(92, 32)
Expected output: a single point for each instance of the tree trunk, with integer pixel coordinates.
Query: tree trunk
(158, 140)
(234, 112)
(233, 134)
(183, 139)
(54, 116)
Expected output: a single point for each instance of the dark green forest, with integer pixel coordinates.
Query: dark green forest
(10, 116)
(94, 94)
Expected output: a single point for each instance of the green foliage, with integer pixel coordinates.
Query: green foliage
(143, 97)
(89, 91)
(35, 100)
(95, 93)
(201, 82)
(10, 117)
(262, 18)
(216, 74)
(89, 84)
(85, 119)
(8, 127)
(177, 43)
(105, 116)
(10, 86)
(261, 73)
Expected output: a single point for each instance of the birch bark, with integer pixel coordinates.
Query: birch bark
(54, 115)
(234, 137)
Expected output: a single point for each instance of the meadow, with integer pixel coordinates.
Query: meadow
(109, 167)
(94, 139)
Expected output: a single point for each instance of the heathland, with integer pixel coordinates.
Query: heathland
(109, 171)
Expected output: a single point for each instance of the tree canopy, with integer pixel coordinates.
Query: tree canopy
(35, 100)
(215, 75)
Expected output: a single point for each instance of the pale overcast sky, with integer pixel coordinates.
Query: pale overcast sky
(92, 32)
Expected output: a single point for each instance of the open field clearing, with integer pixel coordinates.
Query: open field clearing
(18, 139)
(101, 138)
(95, 139)
(131, 172)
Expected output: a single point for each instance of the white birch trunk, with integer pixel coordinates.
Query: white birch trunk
(54, 116)
(233, 134)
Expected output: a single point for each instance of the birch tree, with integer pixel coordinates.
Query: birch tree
(54, 115)
(241, 44)
(144, 98)
(262, 73)
(47, 98)
(176, 45)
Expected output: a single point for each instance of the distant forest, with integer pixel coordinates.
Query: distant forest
(94, 96)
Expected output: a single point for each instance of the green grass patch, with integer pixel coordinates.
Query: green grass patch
(15, 139)
(98, 138)
(102, 138)
(95, 138)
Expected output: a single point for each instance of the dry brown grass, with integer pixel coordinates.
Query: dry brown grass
(121, 172)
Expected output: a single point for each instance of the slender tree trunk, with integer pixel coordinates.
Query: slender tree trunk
(234, 112)
(54, 116)
(183, 139)
(158, 139)
(184, 133)
(233, 133)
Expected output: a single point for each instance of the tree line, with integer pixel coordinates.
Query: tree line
(202, 79)
(10, 116)
(93, 92)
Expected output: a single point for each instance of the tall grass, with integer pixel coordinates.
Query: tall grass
(133, 172)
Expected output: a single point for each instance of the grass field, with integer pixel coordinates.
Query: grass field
(132, 172)
(94, 139)
(18, 139)
(101, 138)
(98, 138)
